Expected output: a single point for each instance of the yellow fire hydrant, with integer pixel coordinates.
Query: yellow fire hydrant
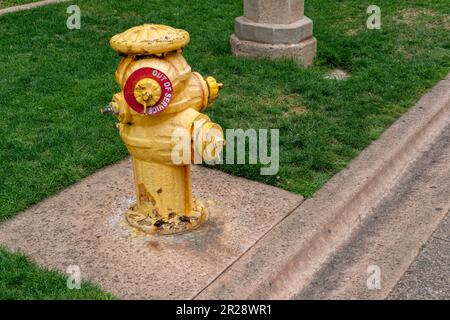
(159, 110)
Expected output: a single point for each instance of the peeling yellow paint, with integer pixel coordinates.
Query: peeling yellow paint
(149, 110)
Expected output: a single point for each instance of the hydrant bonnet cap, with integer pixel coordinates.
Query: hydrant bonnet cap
(149, 39)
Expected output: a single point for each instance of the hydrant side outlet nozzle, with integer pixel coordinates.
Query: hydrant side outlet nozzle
(161, 95)
(108, 109)
(213, 87)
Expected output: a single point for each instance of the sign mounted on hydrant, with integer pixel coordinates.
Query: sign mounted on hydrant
(161, 100)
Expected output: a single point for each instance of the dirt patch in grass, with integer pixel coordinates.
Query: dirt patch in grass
(337, 74)
(352, 32)
(287, 102)
(291, 101)
(420, 17)
(295, 110)
(287, 99)
(424, 23)
(353, 26)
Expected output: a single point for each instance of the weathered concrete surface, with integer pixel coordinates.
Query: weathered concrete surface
(293, 33)
(275, 29)
(286, 260)
(274, 11)
(429, 276)
(84, 225)
(29, 6)
(303, 53)
(394, 234)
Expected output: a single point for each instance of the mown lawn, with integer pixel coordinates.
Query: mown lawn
(20, 279)
(55, 80)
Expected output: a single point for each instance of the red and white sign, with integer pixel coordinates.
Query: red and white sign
(163, 81)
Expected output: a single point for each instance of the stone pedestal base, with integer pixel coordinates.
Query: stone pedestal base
(303, 52)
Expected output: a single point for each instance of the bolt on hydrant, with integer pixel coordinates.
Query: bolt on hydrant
(159, 107)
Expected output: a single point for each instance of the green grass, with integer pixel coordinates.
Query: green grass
(20, 279)
(54, 81)
(10, 3)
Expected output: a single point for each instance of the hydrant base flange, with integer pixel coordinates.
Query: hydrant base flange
(175, 223)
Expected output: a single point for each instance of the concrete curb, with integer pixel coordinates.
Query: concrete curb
(285, 260)
(29, 6)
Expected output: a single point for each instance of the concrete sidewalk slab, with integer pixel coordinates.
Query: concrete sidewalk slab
(286, 260)
(84, 225)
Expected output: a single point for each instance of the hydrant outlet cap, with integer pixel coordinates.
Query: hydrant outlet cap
(149, 39)
(213, 87)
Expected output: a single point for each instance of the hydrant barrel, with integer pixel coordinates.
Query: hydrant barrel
(159, 115)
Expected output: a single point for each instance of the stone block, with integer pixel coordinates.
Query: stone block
(303, 52)
(274, 33)
(274, 11)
